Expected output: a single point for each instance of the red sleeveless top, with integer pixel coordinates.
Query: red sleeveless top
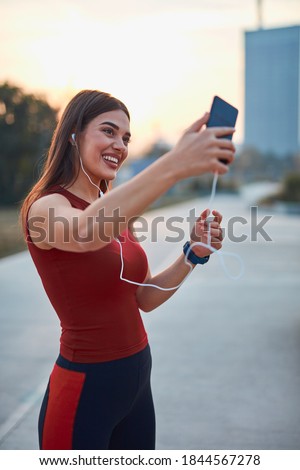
(99, 315)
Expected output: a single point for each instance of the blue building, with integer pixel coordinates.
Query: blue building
(272, 90)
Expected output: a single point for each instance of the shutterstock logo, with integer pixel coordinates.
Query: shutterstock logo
(256, 227)
(174, 228)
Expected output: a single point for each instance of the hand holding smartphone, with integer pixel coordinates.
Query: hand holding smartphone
(222, 114)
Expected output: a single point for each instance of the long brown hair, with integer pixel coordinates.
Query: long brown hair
(61, 167)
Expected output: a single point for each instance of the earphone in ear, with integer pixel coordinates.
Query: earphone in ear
(73, 137)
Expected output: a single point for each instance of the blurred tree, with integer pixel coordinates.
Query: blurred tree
(251, 165)
(157, 149)
(291, 188)
(26, 125)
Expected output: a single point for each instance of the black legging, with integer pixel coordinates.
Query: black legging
(105, 405)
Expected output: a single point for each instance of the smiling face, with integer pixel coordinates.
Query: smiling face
(103, 145)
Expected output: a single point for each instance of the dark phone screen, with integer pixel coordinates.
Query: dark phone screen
(222, 114)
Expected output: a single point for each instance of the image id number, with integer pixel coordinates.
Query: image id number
(232, 459)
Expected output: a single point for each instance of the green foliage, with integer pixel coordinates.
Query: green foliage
(251, 165)
(26, 126)
(291, 188)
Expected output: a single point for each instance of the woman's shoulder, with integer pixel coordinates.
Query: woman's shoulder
(49, 199)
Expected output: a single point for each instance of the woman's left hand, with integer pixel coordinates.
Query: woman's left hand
(207, 232)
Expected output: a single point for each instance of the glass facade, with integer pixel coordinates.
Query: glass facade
(272, 90)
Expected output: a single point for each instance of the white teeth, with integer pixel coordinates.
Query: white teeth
(111, 159)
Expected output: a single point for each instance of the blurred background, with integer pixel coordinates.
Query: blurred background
(166, 60)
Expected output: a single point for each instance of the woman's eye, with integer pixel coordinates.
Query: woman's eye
(109, 131)
(126, 140)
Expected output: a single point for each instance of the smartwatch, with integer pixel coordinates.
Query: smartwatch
(191, 255)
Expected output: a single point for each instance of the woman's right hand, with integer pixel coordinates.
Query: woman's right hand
(200, 150)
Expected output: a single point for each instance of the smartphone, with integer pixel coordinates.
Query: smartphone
(222, 114)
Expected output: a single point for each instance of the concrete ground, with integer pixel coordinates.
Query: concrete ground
(226, 353)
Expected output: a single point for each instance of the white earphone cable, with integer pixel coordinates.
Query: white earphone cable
(82, 167)
(81, 164)
(221, 254)
(205, 245)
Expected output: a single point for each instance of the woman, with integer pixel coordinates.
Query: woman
(99, 394)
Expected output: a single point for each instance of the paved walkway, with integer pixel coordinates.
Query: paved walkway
(226, 369)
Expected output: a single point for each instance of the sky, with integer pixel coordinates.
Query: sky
(165, 59)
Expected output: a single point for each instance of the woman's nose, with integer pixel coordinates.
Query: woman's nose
(119, 143)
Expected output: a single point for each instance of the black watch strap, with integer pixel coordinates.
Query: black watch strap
(191, 255)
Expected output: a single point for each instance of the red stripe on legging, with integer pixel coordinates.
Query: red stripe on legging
(64, 394)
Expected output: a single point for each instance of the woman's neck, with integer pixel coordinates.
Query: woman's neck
(84, 189)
